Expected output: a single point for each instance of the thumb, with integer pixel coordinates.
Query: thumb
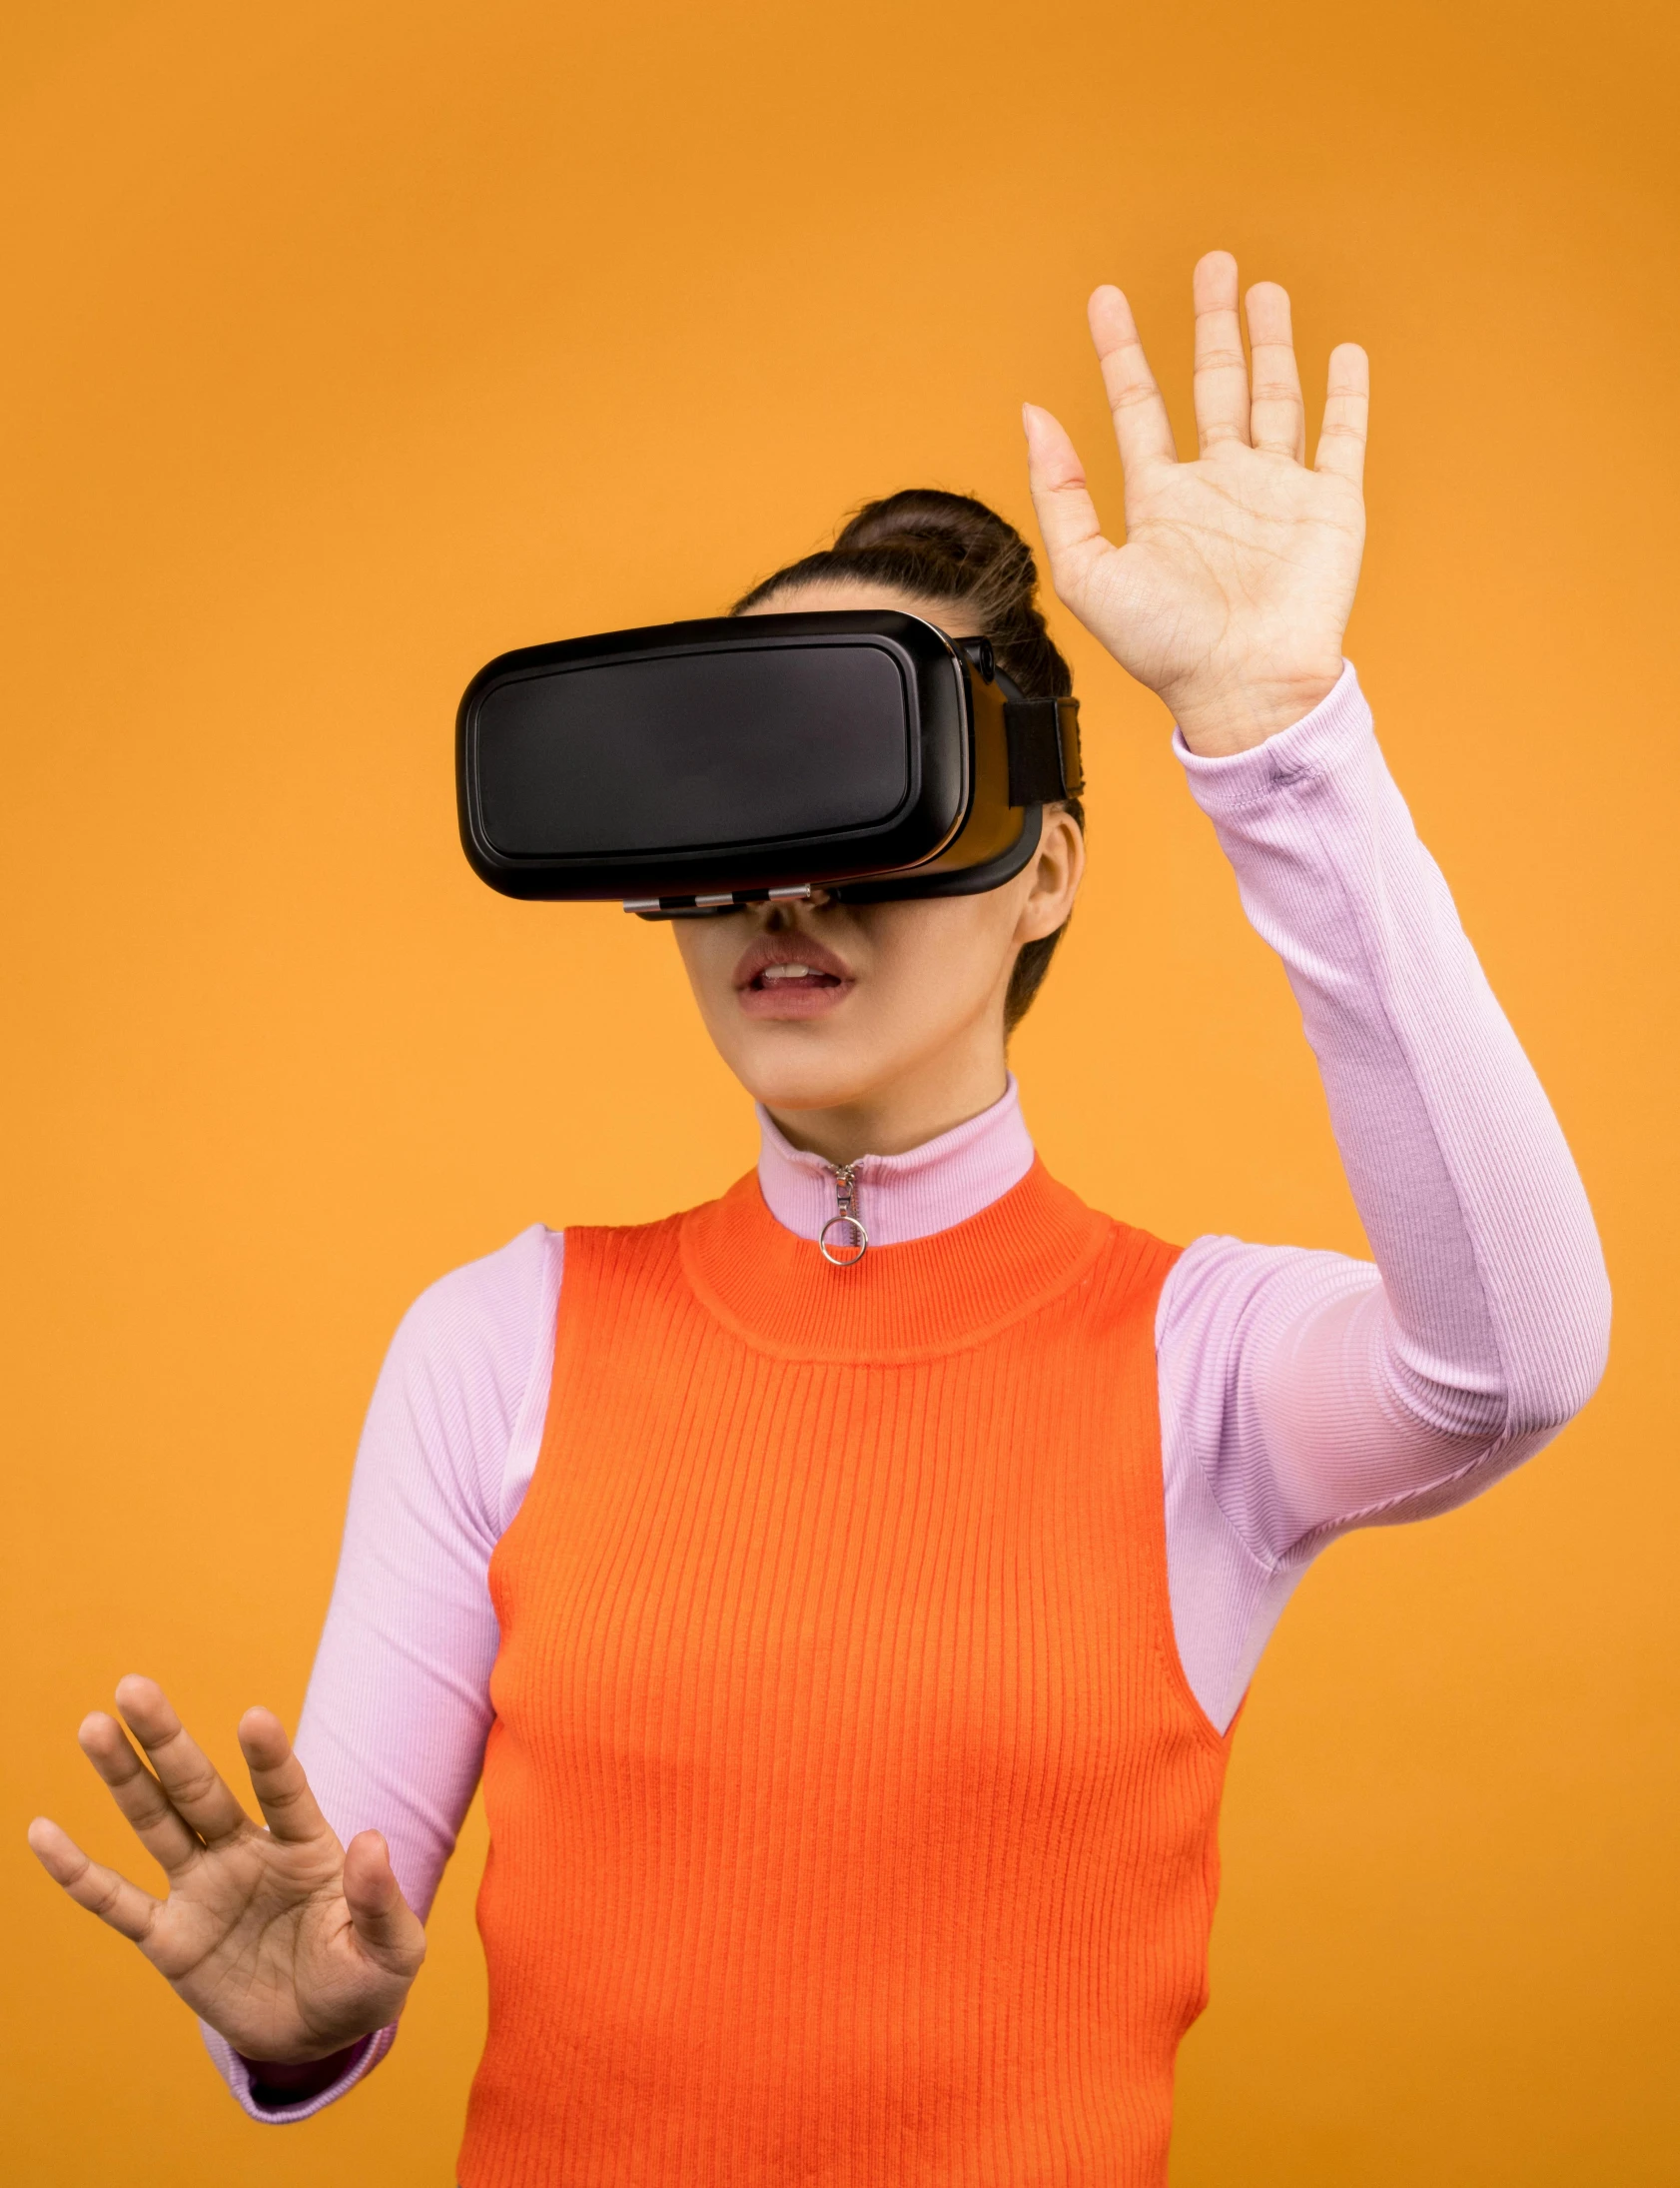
(1067, 520)
(386, 1927)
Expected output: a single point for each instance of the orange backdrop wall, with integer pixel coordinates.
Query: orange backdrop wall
(347, 344)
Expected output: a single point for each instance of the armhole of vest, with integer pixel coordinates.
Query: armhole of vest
(1206, 1730)
(1165, 1628)
(541, 1362)
(585, 1246)
(576, 1248)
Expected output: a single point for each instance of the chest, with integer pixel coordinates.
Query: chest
(943, 1581)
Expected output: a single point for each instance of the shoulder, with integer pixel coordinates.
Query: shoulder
(617, 1253)
(1116, 1270)
(457, 1380)
(1222, 1294)
(476, 1306)
(1216, 1267)
(1135, 1264)
(464, 1352)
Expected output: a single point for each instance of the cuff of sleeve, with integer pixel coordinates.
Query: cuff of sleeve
(1327, 738)
(235, 2072)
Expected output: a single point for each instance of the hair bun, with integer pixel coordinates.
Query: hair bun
(968, 533)
(939, 546)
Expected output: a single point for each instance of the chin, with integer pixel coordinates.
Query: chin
(800, 1075)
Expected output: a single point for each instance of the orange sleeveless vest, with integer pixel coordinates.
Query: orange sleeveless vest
(851, 1819)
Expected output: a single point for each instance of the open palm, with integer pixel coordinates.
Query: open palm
(1232, 593)
(289, 1944)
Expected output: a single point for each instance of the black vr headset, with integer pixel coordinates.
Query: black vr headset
(690, 769)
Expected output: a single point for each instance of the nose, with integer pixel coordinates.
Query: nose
(784, 918)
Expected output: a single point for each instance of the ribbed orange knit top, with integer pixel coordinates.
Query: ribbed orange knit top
(851, 1819)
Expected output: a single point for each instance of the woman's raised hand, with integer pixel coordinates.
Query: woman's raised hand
(288, 1944)
(1233, 588)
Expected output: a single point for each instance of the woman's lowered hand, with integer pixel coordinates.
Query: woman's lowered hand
(288, 1944)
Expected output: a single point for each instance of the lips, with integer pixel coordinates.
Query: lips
(791, 976)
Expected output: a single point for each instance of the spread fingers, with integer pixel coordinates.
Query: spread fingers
(148, 1808)
(1341, 444)
(277, 1779)
(1276, 413)
(1141, 427)
(117, 1903)
(1222, 372)
(194, 1787)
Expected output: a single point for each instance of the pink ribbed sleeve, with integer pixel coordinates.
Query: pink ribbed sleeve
(1303, 1394)
(395, 1722)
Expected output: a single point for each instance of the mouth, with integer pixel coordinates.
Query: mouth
(790, 976)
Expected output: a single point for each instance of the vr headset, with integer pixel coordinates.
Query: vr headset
(690, 769)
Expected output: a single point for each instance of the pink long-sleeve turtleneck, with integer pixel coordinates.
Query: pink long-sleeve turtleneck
(1301, 1393)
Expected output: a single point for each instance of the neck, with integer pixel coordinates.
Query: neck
(916, 1108)
(901, 1197)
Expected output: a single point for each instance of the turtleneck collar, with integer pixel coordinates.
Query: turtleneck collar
(911, 1299)
(902, 1196)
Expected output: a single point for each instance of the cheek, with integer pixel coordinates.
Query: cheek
(709, 956)
(944, 957)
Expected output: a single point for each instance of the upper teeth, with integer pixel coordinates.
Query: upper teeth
(787, 972)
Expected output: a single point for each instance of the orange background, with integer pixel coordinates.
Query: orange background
(350, 343)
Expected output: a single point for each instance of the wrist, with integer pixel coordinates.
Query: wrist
(277, 2083)
(1218, 720)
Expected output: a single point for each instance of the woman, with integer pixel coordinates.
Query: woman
(857, 1648)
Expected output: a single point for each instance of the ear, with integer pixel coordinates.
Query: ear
(1055, 875)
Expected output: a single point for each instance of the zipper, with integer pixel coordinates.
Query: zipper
(853, 1239)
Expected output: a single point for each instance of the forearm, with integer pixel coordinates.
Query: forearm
(389, 1739)
(1487, 1327)
(394, 1725)
(391, 1736)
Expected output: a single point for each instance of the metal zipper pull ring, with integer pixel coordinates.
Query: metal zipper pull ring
(853, 1239)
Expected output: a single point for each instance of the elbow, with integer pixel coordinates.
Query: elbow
(1569, 1360)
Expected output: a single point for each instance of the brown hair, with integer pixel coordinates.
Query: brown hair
(949, 547)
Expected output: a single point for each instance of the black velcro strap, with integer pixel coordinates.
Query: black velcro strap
(1044, 758)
